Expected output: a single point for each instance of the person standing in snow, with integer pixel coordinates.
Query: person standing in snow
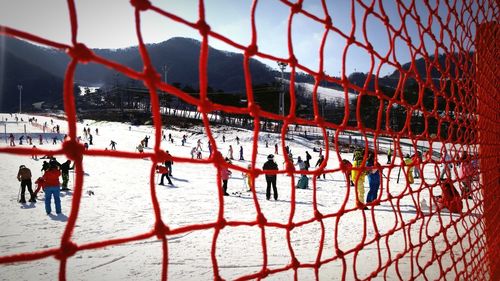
(241, 153)
(318, 163)
(308, 158)
(164, 173)
(270, 165)
(237, 140)
(24, 176)
(225, 174)
(408, 162)
(169, 163)
(230, 152)
(146, 140)
(389, 155)
(193, 152)
(198, 147)
(358, 176)
(113, 145)
(373, 178)
(52, 188)
(65, 167)
(12, 140)
(247, 180)
(276, 148)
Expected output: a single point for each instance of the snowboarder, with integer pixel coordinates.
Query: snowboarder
(51, 188)
(270, 165)
(318, 163)
(241, 153)
(373, 178)
(113, 145)
(65, 167)
(225, 174)
(24, 176)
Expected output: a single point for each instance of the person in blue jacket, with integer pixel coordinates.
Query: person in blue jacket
(373, 178)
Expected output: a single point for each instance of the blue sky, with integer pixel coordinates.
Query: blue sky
(110, 24)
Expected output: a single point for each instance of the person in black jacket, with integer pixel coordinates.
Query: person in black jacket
(271, 179)
(320, 161)
(65, 167)
(168, 164)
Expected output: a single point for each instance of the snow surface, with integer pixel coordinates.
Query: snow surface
(121, 207)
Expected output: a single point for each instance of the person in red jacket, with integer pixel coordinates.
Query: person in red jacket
(225, 174)
(52, 188)
(450, 198)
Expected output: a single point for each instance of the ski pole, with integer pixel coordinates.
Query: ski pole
(399, 173)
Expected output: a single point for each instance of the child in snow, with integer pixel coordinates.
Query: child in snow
(247, 180)
(193, 152)
(225, 174)
(449, 199)
(373, 178)
(140, 148)
(409, 166)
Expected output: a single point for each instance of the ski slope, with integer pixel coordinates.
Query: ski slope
(121, 207)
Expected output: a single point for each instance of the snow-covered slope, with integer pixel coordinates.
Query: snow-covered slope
(121, 207)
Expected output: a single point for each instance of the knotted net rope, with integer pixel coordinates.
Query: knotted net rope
(472, 126)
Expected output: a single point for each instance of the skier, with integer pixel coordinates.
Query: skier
(40, 139)
(318, 163)
(51, 188)
(21, 138)
(230, 152)
(373, 178)
(209, 150)
(225, 174)
(270, 165)
(146, 140)
(24, 176)
(237, 140)
(113, 145)
(34, 156)
(358, 176)
(91, 138)
(164, 173)
(193, 152)
(223, 138)
(65, 167)
(276, 148)
(417, 159)
(241, 153)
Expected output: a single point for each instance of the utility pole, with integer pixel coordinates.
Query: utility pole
(282, 67)
(20, 88)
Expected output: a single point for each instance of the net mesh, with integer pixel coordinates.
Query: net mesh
(470, 124)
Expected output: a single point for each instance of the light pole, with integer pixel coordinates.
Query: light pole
(20, 88)
(165, 71)
(282, 67)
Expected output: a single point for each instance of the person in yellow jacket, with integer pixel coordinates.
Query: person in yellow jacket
(247, 180)
(358, 177)
(409, 169)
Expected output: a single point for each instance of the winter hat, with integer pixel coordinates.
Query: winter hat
(270, 157)
(22, 166)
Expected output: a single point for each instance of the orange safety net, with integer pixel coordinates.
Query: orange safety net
(469, 128)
